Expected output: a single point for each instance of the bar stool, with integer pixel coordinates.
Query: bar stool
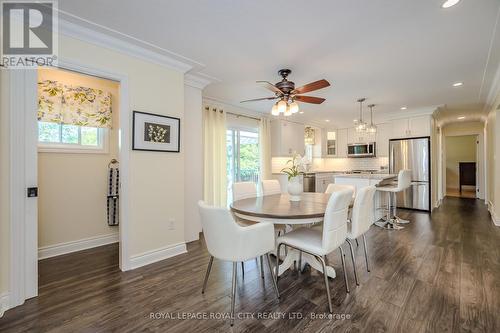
(392, 221)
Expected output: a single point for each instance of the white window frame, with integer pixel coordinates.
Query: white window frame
(72, 148)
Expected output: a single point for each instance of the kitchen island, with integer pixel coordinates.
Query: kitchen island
(362, 180)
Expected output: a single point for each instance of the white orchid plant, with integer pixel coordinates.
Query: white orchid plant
(298, 167)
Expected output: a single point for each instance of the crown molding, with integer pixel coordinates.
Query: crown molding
(493, 93)
(95, 37)
(196, 81)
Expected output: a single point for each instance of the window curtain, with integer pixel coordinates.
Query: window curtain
(73, 105)
(214, 157)
(265, 148)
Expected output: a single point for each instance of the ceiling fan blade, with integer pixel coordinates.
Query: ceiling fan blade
(259, 99)
(309, 99)
(270, 86)
(311, 87)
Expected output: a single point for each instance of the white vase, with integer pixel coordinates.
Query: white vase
(295, 188)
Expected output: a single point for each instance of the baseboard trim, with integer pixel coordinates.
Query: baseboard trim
(4, 303)
(153, 256)
(79, 245)
(494, 218)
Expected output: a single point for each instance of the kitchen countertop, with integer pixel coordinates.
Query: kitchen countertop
(381, 176)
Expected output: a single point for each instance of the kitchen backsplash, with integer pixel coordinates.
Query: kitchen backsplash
(336, 164)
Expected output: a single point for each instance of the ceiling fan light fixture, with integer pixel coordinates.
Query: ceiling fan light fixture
(288, 111)
(274, 110)
(294, 107)
(282, 106)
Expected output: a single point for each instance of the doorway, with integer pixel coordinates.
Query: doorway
(461, 166)
(23, 281)
(243, 162)
(78, 117)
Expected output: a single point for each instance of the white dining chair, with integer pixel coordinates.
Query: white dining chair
(319, 243)
(392, 221)
(246, 190)
(339, 187)
(270, 187)
(361, 220)
(228, 241)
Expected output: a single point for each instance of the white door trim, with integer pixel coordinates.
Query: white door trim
(23, 282)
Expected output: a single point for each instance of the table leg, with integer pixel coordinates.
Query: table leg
(293, 256)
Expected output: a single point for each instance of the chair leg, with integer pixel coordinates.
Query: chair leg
(207, 274)
(242, 269)
(300, 261)
(366, 253)
(262, 266)
(353, 261)
(233, 292)
(278, 261)
(272, 275)
(343, 267)
(325, 276)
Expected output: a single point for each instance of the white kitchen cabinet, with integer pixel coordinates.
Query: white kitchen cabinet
(411, 127)
(329, 142)
(342, 142)
(322, 181)
(287, 138)
(419, 126)
(384, 133)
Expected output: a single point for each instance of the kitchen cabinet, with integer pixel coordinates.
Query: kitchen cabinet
(287, 138)
(322, 181)
(342, 142)
(411, 127)
(384, 133)
(329, 142)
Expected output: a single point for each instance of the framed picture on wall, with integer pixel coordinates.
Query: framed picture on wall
(153, 132)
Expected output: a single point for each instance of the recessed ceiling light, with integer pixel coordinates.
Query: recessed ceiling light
(458, 84)
(449, 3)
(301, 112)
(404, 108)
(327, 120)
(461, 117)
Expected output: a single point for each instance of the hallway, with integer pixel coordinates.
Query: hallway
(441, 273)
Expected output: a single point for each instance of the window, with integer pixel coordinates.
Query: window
(243, 162)
(70, 138)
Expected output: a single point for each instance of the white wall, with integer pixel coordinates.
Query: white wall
(156, 184)
(4, 186)
(73, 187)
(193, 181)
(493, 167)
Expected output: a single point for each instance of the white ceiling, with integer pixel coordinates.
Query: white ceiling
(395, 53)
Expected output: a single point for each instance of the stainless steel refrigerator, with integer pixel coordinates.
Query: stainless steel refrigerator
(413, 154)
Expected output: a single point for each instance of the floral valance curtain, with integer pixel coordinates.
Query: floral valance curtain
(73, 105)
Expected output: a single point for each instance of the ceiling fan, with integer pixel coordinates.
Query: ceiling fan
(288, 95)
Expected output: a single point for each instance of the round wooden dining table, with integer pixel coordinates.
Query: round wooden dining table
(278, 209)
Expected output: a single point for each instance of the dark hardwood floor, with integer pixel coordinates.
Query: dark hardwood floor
(439, 274)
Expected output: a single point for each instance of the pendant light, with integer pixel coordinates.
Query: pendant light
(360, 125)
(371, 128)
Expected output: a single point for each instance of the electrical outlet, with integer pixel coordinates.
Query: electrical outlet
(171, 224)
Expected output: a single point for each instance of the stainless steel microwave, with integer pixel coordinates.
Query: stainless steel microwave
(361, 149)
